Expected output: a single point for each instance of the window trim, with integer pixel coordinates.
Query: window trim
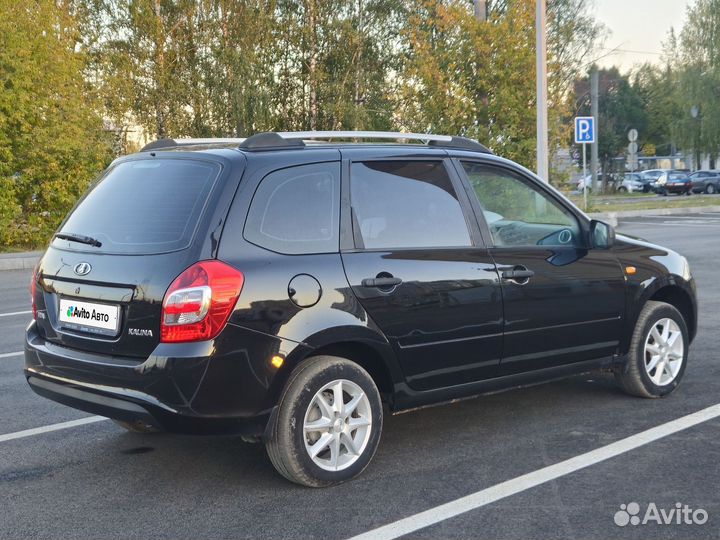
(349, 241)
(582, 220)
(337, 178)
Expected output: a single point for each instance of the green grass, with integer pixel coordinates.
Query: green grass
(15, 249)
(644, 202)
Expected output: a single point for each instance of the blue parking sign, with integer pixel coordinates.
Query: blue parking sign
(584, 130)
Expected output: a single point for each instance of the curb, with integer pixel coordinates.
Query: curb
(612, 217)
(19, 261)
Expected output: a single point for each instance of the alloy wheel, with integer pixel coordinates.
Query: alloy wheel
(664, 352)
(337, 425)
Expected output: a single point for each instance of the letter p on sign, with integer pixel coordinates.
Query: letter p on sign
(584, 130)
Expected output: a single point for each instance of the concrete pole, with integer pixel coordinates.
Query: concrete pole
(594, 97)
(480, 7)
(542, 93)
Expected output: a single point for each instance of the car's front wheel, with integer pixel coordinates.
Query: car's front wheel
(328, 423)
(658, 352)
(710, 189)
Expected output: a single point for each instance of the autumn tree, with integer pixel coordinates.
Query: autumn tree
(477, 78)
(696, 64)
(52, 139)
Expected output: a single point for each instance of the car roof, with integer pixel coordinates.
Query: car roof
(278, 141)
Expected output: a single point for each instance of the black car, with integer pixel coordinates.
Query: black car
(287, 290)
(673, 182)
(705, 182)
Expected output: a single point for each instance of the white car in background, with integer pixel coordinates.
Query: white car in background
(631, 183)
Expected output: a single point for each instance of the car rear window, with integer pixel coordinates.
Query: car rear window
(144, 206)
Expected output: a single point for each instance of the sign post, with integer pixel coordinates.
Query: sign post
(632, 149)
(584, 134)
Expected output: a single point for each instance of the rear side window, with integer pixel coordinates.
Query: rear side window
(145, 206)
(296, 210)
(406, 204)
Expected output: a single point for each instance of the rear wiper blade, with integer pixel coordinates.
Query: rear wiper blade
(79, 238)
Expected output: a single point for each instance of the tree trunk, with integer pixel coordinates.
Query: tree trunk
(312, 64)
(160, 120)
(358, 65)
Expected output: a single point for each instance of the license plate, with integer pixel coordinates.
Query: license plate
(89, 316)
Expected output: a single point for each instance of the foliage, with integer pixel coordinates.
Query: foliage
(696, 64)
(478, 78)
(660, 100)
(620, 108)
(52, 141)
(80, 75)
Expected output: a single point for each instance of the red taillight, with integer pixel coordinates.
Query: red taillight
(199, 302)
(33, 290)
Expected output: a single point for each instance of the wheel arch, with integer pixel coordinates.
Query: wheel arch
(677, 294)
(680, 299)
(360, 345)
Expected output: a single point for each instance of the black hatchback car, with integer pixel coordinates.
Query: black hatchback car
(291, 290)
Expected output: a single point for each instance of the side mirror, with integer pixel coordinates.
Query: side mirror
(602, 235)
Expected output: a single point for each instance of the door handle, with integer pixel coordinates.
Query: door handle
(381, 282)
(518, 274)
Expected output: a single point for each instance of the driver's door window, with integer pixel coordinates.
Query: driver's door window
(519, 213)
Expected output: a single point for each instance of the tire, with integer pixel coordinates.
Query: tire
(138, 426)
(312, 384)
(622, 189)
(635, 377)
(710, 189)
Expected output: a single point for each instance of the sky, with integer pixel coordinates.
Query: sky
(639, 26)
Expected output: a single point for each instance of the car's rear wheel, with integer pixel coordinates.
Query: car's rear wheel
(622, 189)
(658, 352)
(328, 423)
(710, 189)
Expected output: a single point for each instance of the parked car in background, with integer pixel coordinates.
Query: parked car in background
(673, 182)
(650, 176)
(632, 182)
(705, 181)
(587, 181)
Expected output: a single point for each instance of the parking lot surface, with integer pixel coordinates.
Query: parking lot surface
(97, 481)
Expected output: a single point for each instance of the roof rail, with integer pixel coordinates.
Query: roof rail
(441, 141)
(174, 143)
(295, 139)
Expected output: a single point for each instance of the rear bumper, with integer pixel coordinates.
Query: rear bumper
(183, 388)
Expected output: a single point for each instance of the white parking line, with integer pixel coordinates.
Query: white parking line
(535, 478)
(10, 354)
(51, 427)
(15, 313)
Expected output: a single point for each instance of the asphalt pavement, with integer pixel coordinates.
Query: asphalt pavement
(97, 481)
